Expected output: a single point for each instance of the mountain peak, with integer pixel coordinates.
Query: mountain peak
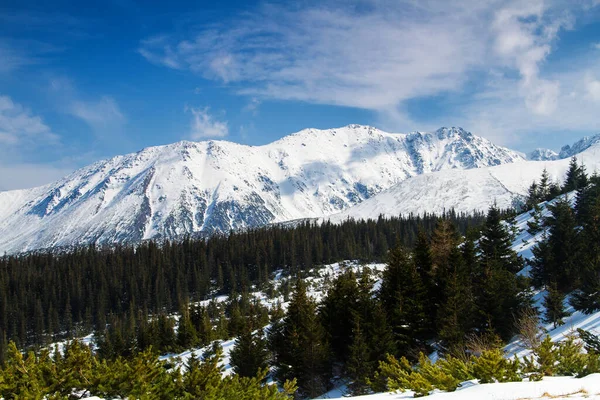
(579, 146)
(445, 132)
(164, 192)
(541, 154)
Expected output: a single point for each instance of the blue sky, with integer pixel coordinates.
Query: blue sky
(80, 83)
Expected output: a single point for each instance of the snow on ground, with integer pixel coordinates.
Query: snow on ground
(560, 387)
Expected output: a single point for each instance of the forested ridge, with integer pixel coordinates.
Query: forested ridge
(45, 296)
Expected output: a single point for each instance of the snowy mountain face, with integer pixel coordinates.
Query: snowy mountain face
(467, 191)
(579, 146)
(542, 155)
(216, 186)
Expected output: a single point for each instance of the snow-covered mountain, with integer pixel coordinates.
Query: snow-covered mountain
(469, 190)
(542, 155)
(215, 186)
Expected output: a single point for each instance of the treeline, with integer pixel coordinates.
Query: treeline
(45, 296)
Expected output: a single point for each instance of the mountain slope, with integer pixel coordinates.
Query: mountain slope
(466, 191)
(215, 186)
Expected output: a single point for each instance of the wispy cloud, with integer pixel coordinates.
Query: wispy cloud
(378, 55)
(18, 126)
(100, 114)
(203, 125)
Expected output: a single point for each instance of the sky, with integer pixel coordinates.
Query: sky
(83, 81)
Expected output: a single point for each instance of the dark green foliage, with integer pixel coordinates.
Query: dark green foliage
(455, 315)
(496, 242)
(576, 177)
(299, 345)
(64, 293)
(403, 298)
(358, 364)
(250, 354)
(592, 342)
(554, 306)
(587, 298)
(499, 293)
(535, 224)
(337, 313)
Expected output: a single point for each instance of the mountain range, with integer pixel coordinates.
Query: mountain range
(209, 187)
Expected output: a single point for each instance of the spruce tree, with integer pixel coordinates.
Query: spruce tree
(575, 178)
(496, 244)
(250, 354)
(544, 186)
(300, 346)
(403, 297)
(336, 313)
(554, 306)
(587, 297)
(455, 316)
(535, 224)
(359, 364)
(499, 293)
(563, 266)
(186, 333)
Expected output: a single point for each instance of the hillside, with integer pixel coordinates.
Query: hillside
(466, 191)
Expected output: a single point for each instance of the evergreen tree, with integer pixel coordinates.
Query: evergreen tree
(455, 316)
(562, 267)
(499, 293)
(250, 354)
(576, 177)
(186, 333)
(403, 297)
(301, 349)
(496, 244)
(544, 188)
(336, 313)
(554, 305)
(535, 224)
(359, 364)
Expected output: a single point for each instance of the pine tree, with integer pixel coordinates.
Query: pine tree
(533, 196)
(300, 346)
(554, 306)
(563, 267)
(403, 297)
(544, 186)
(186, 333)
(498, 291)
(250, 354)
(496, 244)
(455, 316)
(534, 225)
(587, 298)
(336, 313)
(576, 177)
(359, 364)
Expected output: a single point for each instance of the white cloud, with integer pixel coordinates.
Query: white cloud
(596, 46)
(100, 114)
(379, 54)
(204, 125)
(252, 106)
(18, 126)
